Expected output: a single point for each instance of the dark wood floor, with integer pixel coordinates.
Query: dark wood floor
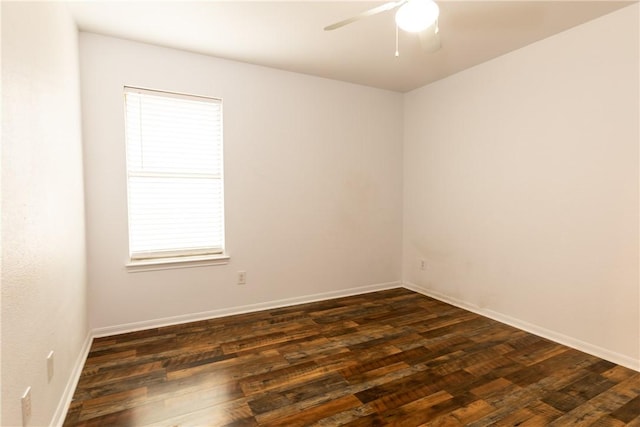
(385, 358)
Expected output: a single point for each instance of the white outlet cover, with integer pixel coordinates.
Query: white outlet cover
(50, 366)
(26, 406)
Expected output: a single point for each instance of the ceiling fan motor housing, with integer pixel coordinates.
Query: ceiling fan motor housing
(417, 15)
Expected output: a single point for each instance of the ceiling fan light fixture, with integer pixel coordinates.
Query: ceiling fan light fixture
(417, 15)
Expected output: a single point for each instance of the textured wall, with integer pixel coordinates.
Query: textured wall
(312, 180)
(43, 240)
(521, 185)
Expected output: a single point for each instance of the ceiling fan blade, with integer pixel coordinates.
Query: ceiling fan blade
(430, 38)
(367, 13)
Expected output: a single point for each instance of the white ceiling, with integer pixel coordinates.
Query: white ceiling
(289, 35)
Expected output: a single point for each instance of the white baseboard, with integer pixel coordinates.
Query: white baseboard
(175, 320)
(558, 337)
(72, 383)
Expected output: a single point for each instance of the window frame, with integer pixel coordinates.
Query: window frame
(169, 259)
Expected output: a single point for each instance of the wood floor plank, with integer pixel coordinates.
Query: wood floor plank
(388, 358)
(315, 413)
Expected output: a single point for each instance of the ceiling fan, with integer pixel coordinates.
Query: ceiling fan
(414, 16)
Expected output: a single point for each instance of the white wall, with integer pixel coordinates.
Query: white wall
(312, 179)
(521, 186)
(43, 241)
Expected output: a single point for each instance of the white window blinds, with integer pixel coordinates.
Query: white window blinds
(174, 174)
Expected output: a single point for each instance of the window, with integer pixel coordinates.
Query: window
(174, 176)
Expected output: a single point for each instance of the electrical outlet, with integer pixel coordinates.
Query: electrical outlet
(242, 277)
(423, 264)
(50, 366)
(26, 406)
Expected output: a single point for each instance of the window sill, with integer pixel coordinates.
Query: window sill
(176, 262)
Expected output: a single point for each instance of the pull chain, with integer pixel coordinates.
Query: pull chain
(397, 52)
